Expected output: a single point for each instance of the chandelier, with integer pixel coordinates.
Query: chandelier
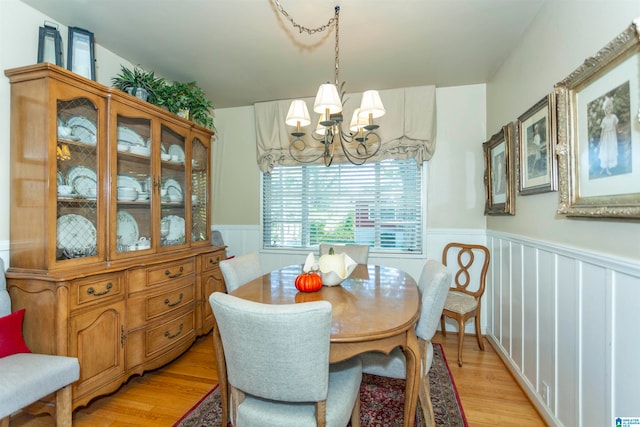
(360, 142)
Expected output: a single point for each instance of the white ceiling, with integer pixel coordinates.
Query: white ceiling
(245, 51)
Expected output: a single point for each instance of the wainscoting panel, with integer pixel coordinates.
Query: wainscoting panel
(566, 322)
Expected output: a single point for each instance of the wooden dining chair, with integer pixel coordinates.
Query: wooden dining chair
(278, 365)
(433, 286)
(358, 253)
(463, 300)
(240, 269)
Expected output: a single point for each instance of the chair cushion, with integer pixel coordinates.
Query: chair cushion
(393, 365)
(11, 341)
(344, 385)
(27, 377)
(460, 303)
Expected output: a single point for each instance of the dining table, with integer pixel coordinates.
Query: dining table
(374, 309)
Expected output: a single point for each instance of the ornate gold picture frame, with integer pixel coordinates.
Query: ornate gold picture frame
(598, 133)
(499, 176)
(538, 167)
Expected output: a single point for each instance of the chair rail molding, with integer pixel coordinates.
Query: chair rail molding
(565, 320)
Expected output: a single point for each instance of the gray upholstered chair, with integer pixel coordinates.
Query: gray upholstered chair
(433, 287)
(278, 365)
(27, 377)
(358, 253)
(241, 269)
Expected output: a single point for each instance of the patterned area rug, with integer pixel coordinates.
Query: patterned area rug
(382, 401)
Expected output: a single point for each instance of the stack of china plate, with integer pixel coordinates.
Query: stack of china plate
(127, 194)
(142, 151)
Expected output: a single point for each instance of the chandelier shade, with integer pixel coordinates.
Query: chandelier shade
(358, 121)
(372, 104)
(327, 99)
(298, 114)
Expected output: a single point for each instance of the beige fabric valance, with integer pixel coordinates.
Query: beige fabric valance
(407, 130)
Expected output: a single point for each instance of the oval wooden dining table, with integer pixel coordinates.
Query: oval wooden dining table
(374, 309)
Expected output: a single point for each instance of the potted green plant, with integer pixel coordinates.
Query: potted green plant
(138, 82)
(186, 100)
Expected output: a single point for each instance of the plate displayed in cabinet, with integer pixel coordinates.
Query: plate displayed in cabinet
(79, 170)
(127, 229)
(85, 186)
(130, 136)
(176, 150)
(82, 129)
(60, 178)
(76, 236)
(174, 190)
(130, 182)
(176, 231)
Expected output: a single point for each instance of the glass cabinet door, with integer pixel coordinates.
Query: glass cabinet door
(78, 182)
(173, 190)
(199, 191)
(134, 189)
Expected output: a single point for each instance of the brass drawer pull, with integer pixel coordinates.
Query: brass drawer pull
(171, 304)
(93, 292)
(173, 276)
(168, 335)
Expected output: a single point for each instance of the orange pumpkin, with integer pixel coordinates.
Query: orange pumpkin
(308, 282)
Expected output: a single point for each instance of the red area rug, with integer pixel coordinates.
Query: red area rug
(381, 400)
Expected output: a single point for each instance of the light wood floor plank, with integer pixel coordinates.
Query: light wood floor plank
(489, 394)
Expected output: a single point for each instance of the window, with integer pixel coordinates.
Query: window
(378, 204)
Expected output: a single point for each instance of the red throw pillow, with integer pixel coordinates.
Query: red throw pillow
(11, 341)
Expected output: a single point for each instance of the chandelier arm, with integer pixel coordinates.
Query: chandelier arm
(304, 146)
(357, 158)
(302, 28)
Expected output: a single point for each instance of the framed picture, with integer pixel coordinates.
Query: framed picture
(598, 133)
(536, 141)
(81, 56)
(50, 44)
(499, 176)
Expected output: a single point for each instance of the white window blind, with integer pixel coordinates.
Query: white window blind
(378, 204)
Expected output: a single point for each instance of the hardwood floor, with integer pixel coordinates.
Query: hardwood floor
(489, 394)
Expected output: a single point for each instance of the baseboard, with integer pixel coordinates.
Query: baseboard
(526, 387)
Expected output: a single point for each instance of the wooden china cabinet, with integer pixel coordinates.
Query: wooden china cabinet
(110, 243)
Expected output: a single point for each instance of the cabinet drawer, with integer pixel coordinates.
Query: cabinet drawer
(145, 278)
(211, 260)
(146, 307)
(95, 289)
(169, 333)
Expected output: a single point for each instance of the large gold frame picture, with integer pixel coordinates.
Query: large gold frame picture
(598, 133)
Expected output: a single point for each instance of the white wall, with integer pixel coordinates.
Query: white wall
(563, 293)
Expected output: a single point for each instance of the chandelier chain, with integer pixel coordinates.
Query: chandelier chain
(325, 27)
(302, 28)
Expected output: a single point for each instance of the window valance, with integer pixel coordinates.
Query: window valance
(407, 129)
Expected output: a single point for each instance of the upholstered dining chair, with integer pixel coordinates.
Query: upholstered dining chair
(433, 285)
(26, 377)
(358, 253)
(278, 365)
(240, 269)
(463, 300)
